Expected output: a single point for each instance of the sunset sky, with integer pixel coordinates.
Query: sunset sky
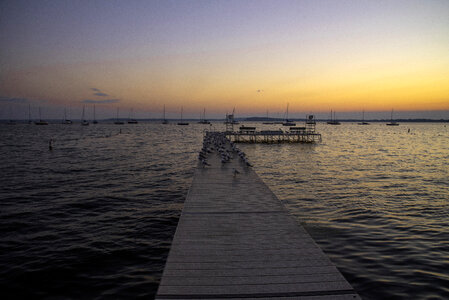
(255, 56)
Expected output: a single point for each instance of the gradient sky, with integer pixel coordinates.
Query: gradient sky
(252, 55)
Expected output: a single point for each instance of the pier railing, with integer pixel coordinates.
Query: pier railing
(294, 135)
(247, 134)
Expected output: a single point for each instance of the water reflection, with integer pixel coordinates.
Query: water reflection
(374, 197)
(95, 216)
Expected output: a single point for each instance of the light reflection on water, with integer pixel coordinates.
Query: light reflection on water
(375, 198)
(95, 216)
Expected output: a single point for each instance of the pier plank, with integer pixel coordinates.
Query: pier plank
(236, 240)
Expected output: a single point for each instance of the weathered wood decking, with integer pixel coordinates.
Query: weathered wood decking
(235, 240)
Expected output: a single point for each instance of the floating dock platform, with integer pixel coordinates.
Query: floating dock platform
(235, 240)
(245, 134)
(273, 136)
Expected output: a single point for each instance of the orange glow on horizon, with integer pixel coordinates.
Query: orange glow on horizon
(252, 83)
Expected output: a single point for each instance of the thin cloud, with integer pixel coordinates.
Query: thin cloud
(13, 100)
(99, 93)
(103, 101)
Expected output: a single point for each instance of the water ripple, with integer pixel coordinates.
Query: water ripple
(94, 218)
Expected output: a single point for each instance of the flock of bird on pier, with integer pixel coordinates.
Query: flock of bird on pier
(218, 141)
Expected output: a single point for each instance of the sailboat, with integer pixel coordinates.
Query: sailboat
(287, 121)
(203, 118)
(95, 118)
(267, 122)
(164, 120)
(66, 121)
(333, 120)
(29, 114)
(363, 119)
(392, 123)
(277, 119)
(117, 122)
(83, 120)
(11, 121)
(40, 122)
(131, 121)
(182, 123)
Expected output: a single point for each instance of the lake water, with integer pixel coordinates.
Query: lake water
(94, 217)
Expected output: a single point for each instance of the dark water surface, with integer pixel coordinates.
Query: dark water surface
(94, 218)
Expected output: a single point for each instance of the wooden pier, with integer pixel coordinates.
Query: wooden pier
(235, 240)
(273, 137)
(245, 134)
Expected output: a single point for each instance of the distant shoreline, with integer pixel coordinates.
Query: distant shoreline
(250, 119)
(262, 119)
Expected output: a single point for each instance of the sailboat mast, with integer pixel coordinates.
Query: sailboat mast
(29, 113)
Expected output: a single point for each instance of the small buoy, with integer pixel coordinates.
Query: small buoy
(50, 146)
